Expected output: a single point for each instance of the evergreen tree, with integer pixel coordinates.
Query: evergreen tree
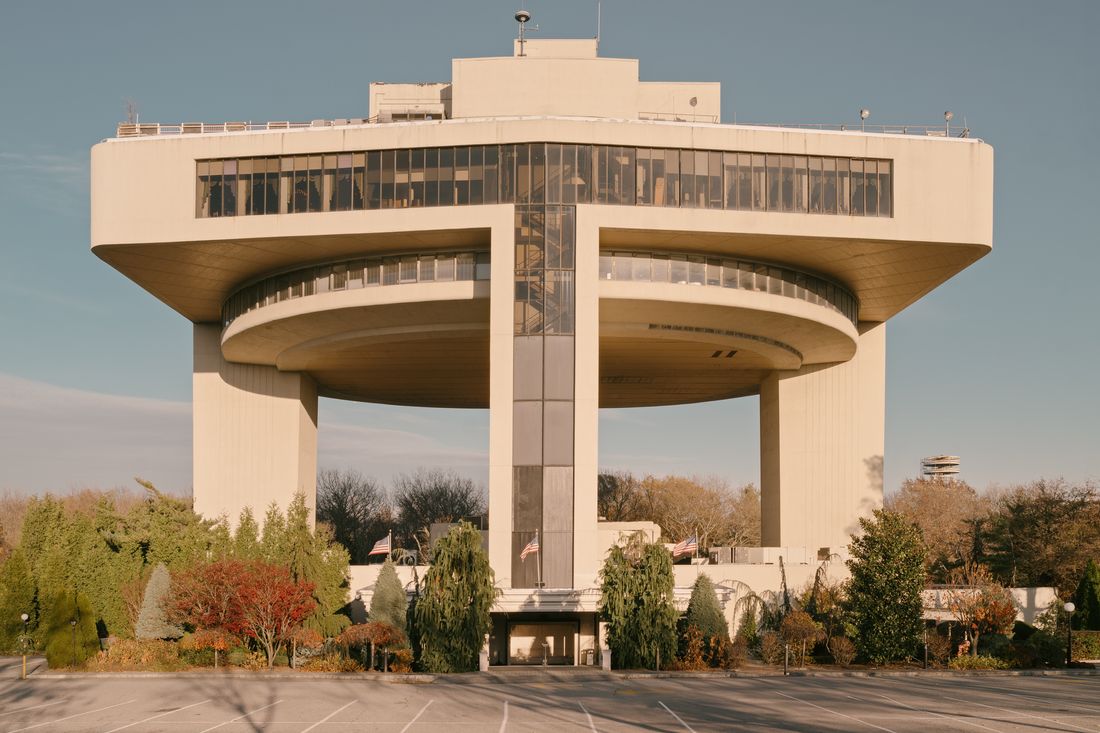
(1087, 599)
(45, 542)
(151, 623)
(69, 643)
(704, 612)
(272, 546)
(887, 565)
(313, 557)
(246, 540)
(452, 614)
(636, 600)
(166, 529)
(221, 540)
(16, 598)
(388, 604)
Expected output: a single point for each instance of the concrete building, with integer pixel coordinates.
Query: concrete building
(939, 468)
(542, 236)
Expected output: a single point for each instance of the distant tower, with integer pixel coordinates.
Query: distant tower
(938, 468)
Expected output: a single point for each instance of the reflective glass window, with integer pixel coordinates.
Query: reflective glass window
(870, 178)
(885, 189)
(687, 178)
(416, 177)
(859, 189)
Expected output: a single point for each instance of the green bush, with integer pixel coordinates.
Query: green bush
(968, 662)
(1086, 645)
(995, 645)
(196, 657)
(771, 648)
(69, 644)
(1050, 649)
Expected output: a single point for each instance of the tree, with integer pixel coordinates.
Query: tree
(452, 613)
(887, 566)
(205, 596)
(16, 598)
(947, 513)
(389, 603)
(636, 600)
(356, 508)
(1043, 534)
(434, 496)
(271, 605)
(797, 629)
(618, 496)
(704, 612)
(218, 640)
(152, 623)
(709, 507)
(1087, 599)
(246, 540)
(981, 606)
(70, 630)
(377, 634)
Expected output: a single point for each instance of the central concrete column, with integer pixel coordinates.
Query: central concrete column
(255, 433)
(821, 447)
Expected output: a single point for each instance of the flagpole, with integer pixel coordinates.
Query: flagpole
(389, 537)
(538, 560)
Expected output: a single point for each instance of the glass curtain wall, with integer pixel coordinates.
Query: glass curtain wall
(542, 378)
(537, 173)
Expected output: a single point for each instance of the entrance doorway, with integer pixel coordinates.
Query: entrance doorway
(542, 642)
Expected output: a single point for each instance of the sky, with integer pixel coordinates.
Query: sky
(998, 365)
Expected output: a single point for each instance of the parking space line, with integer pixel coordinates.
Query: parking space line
(938, 715)
(686, 726)
(240, 717)
(410, 723)
(70, 717)
(834, 712)
(591, 725)
(331, 715)
(504, 721)
(1017, 712)
(32, 707)
(154, 717)
(1031, 697)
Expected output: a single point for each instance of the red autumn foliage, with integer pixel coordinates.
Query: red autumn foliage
(256, 599)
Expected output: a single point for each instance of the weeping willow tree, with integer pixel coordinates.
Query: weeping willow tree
(452, 611)
(636, 601)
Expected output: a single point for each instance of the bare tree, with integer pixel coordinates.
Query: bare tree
(947, 513)
(428, 496)
(356, 508)
(618, 496)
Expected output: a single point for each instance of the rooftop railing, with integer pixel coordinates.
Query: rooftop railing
(152, 129)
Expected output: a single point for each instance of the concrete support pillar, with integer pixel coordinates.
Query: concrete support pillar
(821, 447)
(255, 433)
(586, 560)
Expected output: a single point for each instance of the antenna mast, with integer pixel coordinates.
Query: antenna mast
(599, 22)
(522, 16)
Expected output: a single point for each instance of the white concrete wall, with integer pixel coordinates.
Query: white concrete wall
(821, 447)
(501, 342)
(255, 433)
(587, 555)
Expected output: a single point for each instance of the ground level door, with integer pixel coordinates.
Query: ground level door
(542, 642)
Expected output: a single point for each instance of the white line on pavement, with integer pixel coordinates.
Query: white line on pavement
(333, 714)
(1016, 712)
(834, 712)
(1031, 697)
(32, 707)
(591, 725)
(410, 723)
(686, 726)
(154, 717)
(70, 717)
(241, 717)
(952, 718)
(504, 722)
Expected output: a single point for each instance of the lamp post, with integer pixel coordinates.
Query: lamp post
(23, 644)
(72, 625)
(1069, 608)
(863, 115)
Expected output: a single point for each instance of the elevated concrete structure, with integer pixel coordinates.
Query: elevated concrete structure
(542, 236)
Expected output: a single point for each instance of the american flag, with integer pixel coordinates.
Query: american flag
(532, 546)
(691, 544)
(381, 547)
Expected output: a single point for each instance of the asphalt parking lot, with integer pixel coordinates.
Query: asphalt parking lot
(203, 704)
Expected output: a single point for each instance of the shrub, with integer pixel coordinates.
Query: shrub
(771, 648)
(126, 655)
(1086, 645)
(939, 648)
(842, 649)
(68, 644)
(1050, 649)
(402, 661)
(334, 663)
(152, 620)
(968, 662)
(798, 630)
(726, 654)
(995, 645)
(693, 646)
(704, 612)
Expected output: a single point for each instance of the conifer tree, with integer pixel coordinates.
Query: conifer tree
(152, 622)
(452, 613)
(16, 598)
(1087, 599)
(636, 600)
(246, 540)
(388, 604)
(887, 565)
(67, 643)
(704, 612)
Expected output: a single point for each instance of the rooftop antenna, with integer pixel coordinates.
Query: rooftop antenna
(522, 16)
(132, 114)
(599, 22)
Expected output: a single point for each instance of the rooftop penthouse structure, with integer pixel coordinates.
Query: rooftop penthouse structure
(542, 236)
